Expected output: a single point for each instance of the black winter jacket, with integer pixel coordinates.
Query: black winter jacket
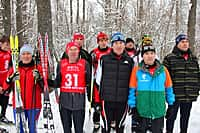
(114, 84)
(185, 75)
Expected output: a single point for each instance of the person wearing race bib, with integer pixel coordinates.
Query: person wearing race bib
(73, 79)
(5, 63)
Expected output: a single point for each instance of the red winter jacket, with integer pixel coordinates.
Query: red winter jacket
(27, 86)
(5, 58)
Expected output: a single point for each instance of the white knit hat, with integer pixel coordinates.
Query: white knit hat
(26, 48)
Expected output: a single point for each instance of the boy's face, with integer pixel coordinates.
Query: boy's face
(103, 42)
(149, 57)
(79, 41)
(130, 45)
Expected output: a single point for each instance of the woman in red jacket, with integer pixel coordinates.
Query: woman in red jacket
(27, 73)
(5, 61)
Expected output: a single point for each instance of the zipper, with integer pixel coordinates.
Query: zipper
(25, 89)
(118, 62)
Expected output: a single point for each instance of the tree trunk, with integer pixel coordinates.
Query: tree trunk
(107, 12)
(77, 13)
(192, 25)
(83, 22)
(44, 19)
(71, 16)
(6, 16)
(77, 16)
(19, 21)
(140, 17)
(177, 17)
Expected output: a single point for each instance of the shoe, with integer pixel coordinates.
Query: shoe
(113, 124)
(96, 127)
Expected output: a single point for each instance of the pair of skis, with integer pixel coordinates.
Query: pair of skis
(47, 112)
(20, 115)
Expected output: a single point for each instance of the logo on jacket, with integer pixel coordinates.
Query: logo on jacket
(144, 78)
(125, 62)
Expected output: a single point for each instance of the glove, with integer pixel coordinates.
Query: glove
(132, 111)
(36, 74)
(13, 77)
(97, 107)
(170, 112)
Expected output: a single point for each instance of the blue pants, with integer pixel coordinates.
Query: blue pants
(32, 116)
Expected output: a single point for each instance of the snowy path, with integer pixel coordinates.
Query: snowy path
(194, 124)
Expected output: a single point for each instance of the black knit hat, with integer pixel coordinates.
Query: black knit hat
(146, 48)
(129, 40)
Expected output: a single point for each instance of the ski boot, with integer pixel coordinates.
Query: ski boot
(96, 127)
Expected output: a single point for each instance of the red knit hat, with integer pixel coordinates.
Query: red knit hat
(78, 36)
(70, 44)
(101, 35)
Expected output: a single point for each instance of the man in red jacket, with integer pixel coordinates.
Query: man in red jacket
(102, 49)
(5, 61)
(73, 79)
(30, 91)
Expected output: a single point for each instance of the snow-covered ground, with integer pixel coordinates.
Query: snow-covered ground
(194, 123)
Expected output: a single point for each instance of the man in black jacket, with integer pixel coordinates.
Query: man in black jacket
(113, 74)
(184, 70)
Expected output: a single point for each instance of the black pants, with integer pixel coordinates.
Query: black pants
(185, 109)
(78, 117)
(4, 103)
(157, 125)
(114, 111)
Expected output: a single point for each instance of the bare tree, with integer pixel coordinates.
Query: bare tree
(107, 12)
(192, 24)
(177, 16)
(71, 16)
(19, 21)
(6, 13)
(44, 19)
(77, 16)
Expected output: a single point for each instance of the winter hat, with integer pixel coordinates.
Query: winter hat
(78, 36)
(146, 48)
(146, 39)
(70, 44)
(101, 35)
(118, 36)
(26, 48)
(181, 37)
(129, 40)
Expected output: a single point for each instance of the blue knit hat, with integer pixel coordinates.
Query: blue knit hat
(26, 48)
(181, 37)
(118, 36)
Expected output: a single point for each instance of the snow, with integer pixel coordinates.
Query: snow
(193, 123)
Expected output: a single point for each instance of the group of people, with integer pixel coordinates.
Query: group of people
(118, 79)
